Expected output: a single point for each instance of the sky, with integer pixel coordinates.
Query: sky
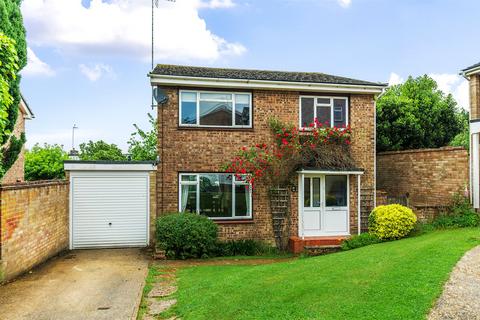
(88, 60)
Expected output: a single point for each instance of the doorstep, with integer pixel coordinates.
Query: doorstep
(298, 245)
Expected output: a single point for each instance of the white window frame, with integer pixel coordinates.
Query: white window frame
(197, 93)
(196, 183)
(330, 105)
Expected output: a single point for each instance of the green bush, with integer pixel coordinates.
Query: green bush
(361, 240)
(391, 222)
(186, 235)
(241, 248)
(460, 214)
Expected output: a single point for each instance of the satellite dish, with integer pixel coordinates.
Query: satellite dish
(159, 95)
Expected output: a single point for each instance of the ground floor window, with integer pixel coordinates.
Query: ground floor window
(215, 195)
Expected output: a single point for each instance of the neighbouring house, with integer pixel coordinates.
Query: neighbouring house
(472, 74)
(210, 113)
(16, 172)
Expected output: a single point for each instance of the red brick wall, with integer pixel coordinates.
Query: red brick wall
(34, 224)
(430, 176)
(201, 150)
(16, 172)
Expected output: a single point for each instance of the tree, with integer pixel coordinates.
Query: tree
(45, 163)
(463, 138)
(143, 145)
(416, 114)
(100, 150)
(8, 72)
(11, 26)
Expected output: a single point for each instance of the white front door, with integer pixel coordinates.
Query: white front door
(324, 205)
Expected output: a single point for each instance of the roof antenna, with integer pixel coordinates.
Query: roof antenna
(159, 99)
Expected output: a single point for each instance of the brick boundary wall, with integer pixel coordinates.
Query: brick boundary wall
(429, 176)
(34, 224)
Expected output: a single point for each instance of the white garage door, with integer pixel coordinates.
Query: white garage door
(109, 209)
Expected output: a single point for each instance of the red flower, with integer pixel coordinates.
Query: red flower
(347, 141)
(284, 141)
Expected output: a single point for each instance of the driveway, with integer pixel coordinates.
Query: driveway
(83, 284)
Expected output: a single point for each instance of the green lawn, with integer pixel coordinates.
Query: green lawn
(394, 280)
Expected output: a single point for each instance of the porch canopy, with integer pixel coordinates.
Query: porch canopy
(339, 171)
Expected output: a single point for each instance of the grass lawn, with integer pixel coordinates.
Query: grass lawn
(393, 280)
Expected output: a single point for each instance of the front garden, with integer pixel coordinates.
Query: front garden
(390, 280)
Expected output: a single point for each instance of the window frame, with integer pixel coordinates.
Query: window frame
(198, 93)
(330, 105)
(196, 183)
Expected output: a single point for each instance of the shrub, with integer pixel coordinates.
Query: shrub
(391, 222)
(241, 248)
(186, 235)
(460, 214)
(361, 240)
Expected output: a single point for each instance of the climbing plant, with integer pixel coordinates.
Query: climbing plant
(13, 57)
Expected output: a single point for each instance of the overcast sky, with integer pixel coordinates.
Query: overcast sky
(88, 60)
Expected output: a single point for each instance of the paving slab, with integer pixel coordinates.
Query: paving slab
(84, 284)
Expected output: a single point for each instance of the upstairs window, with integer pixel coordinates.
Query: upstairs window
(215, 109)
(329, 111)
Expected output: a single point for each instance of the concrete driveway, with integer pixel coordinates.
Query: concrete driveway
(83, 284)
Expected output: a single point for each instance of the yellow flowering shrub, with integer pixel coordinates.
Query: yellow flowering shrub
(391, 222)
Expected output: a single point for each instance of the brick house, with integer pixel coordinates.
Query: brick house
(472, 74)
(208, 114)
(16, 172)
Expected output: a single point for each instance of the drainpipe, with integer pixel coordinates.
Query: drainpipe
(375, 147)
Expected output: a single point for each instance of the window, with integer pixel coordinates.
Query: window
(336, 191)
(324, 109)
(215, 109)
(215, 195)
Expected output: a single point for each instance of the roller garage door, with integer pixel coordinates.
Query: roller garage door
(109, 209)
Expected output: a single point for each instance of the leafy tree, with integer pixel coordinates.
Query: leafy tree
(44, 163)
(143, 144)
(8, 70)
(463, 138)
(100, 150)
(12, 34)
(416, 114)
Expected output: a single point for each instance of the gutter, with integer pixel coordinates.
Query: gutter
(468, 72)
(186, 81)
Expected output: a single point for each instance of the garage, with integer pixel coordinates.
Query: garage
(109, 203)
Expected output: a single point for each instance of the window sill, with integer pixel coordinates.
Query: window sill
(240, 221)
(215, 129)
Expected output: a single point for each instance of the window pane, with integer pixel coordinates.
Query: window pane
(316, 192)
(323, 115)
(340, 112)
(323, 100)
(242, 110)
(189, 177)
(215, 113)
(188, 196)
(306, 112)
(189, 108)
(336, 191)
(216, 96)
(242, 200)
(216, 195)
(306, 192)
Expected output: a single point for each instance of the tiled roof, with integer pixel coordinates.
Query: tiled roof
(248, 74)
